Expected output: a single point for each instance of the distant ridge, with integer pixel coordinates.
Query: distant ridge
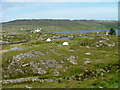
(55, 20)
(59, 24)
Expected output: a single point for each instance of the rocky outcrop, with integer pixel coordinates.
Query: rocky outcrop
(80, 77)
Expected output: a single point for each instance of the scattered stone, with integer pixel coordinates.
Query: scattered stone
(59, 45)
(23, 56)
(55, 73)
(72, 60)
(96, 42)
(111, 45)
(25, 64)
(62, 61)
(5, 76)
(59, 66)
(86, 58)
(100, 87)
(41, 71)
(15, 48)
(101, 41)
(49, 63)
(52, 50)
(100, 44)
(28, 87)
(71, 50)
(87, 62)
(96, 46)
(91, 38)
(38, 52)
(87, 47)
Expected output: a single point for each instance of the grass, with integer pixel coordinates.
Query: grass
(57, 25)
(101, 57)
(105, 81)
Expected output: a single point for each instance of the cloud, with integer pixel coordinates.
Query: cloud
(60, 1)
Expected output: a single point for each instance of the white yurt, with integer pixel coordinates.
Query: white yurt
(48, 40)
(65, 43)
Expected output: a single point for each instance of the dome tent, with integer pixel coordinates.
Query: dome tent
(65, 43)
(48, 40)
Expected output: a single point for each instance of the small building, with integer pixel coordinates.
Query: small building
(65, 43)
(106, 33)
(22, 29)
(48, 40)
(38, 30)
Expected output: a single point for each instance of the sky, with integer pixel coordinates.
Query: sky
(58, 10)
(60, 0)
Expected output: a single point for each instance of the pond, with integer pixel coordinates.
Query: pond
(83, 31)
(68, 38)
(78, 31)
(85, 36)
(63, 38)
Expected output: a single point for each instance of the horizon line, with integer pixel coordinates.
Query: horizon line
(57, 19)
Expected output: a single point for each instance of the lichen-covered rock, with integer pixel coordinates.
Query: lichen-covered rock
(30, 54)
(41, 71)
(23, 56)
(55, 73)
(49, 63)
(87, 62)
(71, 50)
(86, 58)
(38, 52)
(72, 59)
(15, 48)
(59, 66)
(73, 62)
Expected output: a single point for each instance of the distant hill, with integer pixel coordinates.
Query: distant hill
(58, 24)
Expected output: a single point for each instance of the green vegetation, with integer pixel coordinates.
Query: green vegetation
(60, 61)
(57, 25)
(112, 32)
(89, 61)
(105, 81)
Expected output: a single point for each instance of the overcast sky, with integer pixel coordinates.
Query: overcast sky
(59, 10)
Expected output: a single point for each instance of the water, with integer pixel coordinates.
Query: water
(78, 31)
(63, 38)
(85, 36)
(83, 31)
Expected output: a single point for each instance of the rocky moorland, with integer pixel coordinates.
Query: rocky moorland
(87, 61)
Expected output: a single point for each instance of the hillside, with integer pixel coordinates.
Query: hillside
(90, 60)
(58, 25)
(87, 62)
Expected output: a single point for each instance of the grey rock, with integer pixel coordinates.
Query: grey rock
(71, 50)
(87, 62)
(41, 71)
(86, 58)
(15, 48)
(72, 60)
